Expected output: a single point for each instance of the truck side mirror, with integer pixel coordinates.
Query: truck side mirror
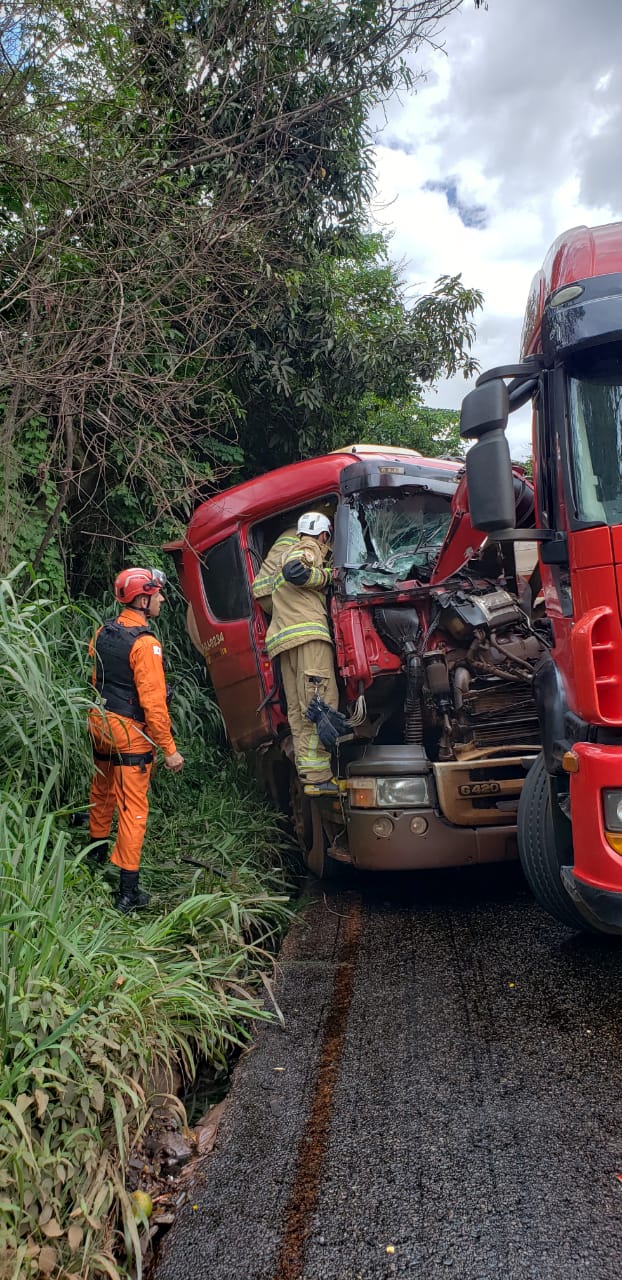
(490, 484)
(485, 413)
(485, 409)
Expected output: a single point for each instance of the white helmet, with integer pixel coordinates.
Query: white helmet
(314, 523)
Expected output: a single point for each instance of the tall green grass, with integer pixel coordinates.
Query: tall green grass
(43, 692)
(93, 1004)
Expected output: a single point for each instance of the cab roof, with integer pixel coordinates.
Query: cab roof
(289, 487)
(578, 254)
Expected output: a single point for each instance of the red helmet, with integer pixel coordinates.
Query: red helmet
(130, 583)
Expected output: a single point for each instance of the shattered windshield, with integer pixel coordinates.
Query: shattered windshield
(394, 537)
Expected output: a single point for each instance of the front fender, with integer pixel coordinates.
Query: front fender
(552, 707)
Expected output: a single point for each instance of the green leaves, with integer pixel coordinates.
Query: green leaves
(93, 1006)
(405, 422)
(348, 353)
(181, 254)
(43, 672)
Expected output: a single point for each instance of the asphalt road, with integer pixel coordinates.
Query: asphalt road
(444, 1100)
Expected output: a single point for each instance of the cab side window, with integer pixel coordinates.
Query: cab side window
(224, 581)
(263, 535)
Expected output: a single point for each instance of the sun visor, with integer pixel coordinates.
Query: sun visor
(582, 314)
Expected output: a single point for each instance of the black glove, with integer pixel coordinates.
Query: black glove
(331, 725)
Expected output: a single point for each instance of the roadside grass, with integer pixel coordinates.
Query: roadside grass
(96, 1008)
(44, 696)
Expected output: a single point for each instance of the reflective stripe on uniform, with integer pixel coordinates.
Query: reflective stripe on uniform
(317, 580)
(316, 758)
(288, 637)
(263, 584)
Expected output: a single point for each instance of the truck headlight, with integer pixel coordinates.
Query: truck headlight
(402, 793)
(389, 793)
(612, 804)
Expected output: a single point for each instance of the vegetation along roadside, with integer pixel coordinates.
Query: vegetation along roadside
(193, 290)
(94, 1008)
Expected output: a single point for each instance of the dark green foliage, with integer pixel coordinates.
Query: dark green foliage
(349, 336)
(185, 278)
(407, 423)
(187, 286)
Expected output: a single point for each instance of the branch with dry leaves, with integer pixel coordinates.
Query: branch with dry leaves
(168, 171)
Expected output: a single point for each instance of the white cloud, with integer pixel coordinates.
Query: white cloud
(518, 129)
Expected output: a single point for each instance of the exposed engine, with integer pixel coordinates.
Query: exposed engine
(468, 678)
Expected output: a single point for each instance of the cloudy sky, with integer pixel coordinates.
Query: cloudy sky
(515, 136)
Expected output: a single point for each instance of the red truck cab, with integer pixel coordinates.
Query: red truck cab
(570, 815)
(433, 655)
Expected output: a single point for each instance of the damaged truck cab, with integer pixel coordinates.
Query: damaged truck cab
(435, 648)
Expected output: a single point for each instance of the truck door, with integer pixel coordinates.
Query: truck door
(216, 584)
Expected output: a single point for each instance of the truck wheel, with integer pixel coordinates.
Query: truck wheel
(310, 834)
(540, 857)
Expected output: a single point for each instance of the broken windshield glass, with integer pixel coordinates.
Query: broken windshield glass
(394, 538)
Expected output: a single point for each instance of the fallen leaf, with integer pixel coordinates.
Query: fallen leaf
(98, 1096)
(52, 1229)
(41, 1098)
(268, 985)
(207, 1128)
(47, 1259)
(74, 1236)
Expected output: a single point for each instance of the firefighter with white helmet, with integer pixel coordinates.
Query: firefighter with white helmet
(300, 635)
(132, 721)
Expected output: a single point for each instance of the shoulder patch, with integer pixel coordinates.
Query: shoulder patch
(157, 649)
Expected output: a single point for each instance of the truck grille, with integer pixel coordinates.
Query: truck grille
(499, 716)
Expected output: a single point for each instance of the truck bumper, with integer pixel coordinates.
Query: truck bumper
(602, 908)
(440, 845)
(469, 817)
(594, 881)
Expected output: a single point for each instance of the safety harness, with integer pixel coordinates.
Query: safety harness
(113, 756)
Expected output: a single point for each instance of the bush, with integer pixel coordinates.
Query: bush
(94, 1004)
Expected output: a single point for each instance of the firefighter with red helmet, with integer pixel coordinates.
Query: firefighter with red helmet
(132, 721)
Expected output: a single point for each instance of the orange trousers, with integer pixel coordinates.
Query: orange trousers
(121, 788)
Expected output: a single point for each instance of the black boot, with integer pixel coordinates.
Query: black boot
(130, 897)
(97, 855)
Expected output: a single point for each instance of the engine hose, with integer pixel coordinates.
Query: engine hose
(413, 709)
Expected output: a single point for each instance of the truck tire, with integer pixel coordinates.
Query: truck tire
(538, 852)
(310, 834)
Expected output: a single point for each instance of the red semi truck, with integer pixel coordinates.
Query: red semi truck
(435, 649)
(570, 810)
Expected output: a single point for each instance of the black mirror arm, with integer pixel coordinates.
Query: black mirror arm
(527, 369)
